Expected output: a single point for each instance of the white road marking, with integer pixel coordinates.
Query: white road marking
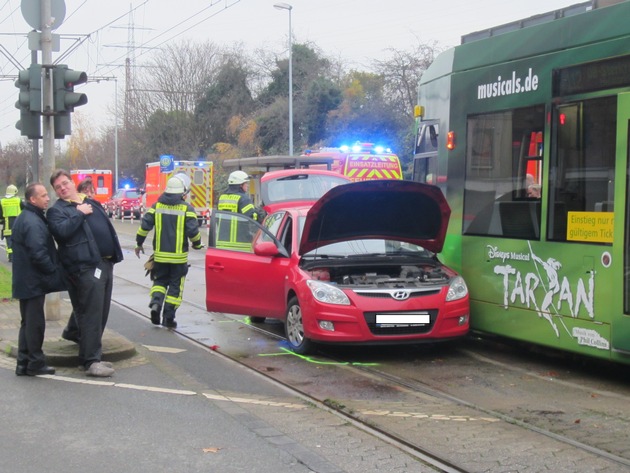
(253, 401)
(162, 349)
(419, 415)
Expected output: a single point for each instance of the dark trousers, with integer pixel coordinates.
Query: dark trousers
(168, 287)
(90, 292)
(31, 336)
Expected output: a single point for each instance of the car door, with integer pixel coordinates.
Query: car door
(238, 280)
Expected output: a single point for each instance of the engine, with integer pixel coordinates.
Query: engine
(390, 277)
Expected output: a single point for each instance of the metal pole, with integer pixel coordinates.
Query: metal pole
(286, 6)
(53, 301)
(34, 143)
(290, 88)
(116, 136)
(48, 123)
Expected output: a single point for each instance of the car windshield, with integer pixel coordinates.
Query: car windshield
(132, 195)
(307, 187)
(367, 247)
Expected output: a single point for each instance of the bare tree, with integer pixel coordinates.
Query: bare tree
(14, 161)
(402, 72)
(175, 79)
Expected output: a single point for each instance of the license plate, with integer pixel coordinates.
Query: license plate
(405, 319)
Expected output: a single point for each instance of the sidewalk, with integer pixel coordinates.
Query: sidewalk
(59, 352)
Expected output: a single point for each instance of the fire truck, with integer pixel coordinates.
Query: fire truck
(101, 178)
(201, 179)
(362, 161)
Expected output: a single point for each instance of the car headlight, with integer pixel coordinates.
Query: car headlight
(327, 293)
(457, 289)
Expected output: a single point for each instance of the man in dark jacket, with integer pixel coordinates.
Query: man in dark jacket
(36, 272)
(175, 222)
(74, 221)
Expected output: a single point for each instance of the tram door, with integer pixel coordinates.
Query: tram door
(425, 162)
(621, 325)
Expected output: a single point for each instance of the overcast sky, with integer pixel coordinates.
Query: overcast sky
(357, 31)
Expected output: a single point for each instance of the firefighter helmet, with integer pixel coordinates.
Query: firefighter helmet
(185, 179)
(175, 186)
(11, 190)
(238, 177)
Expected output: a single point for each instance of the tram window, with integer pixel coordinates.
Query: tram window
(425, 163)
(503, 173)
(583, 164)
(427, 140)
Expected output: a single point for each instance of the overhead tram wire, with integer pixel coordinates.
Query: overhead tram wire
(196, 24)
(70, 50)
(145, 44)
(73, 48)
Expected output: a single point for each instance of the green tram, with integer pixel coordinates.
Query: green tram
(525, 128)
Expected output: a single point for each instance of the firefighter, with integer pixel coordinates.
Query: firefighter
(10, 207)
(236, 198)
(234, 234)
(175, 222)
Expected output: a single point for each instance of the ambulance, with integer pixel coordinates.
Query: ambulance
(362, 161)
(201, 174)
(101, 178)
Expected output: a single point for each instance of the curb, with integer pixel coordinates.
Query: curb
(62, 353)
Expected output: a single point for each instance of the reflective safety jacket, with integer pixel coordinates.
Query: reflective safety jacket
(235, 200)
(175, 222)
(233, 234)
(10, 208)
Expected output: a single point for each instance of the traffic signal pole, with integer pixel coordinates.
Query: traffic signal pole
(35, 142)
(53, 301)
(48, 131)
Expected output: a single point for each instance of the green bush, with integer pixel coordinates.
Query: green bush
(5, 283)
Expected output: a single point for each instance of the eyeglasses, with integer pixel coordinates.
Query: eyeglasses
(65, 183)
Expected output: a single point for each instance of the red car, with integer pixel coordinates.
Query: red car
(124, 203)
(358, 266)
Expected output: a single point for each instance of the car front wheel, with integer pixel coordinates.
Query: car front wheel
(294, 329)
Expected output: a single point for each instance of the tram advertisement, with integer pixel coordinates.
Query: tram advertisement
(540, 291)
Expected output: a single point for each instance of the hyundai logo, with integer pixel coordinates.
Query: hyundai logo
(400, 295)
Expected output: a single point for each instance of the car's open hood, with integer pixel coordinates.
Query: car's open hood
(390, 209)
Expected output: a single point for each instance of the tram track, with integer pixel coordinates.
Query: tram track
(420, 453)
(412, 388)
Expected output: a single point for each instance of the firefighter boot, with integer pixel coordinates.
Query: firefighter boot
(155, 313)
(168, 319)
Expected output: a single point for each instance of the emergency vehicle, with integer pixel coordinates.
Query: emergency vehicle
(101, 178)
(201, 179)
(362, 161)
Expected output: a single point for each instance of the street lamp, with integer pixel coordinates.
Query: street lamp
(286, 6)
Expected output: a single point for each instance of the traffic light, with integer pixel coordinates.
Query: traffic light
(65, 98)
(29, 101)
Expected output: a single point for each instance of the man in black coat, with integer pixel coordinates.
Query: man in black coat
(88, 249)
(36, 272)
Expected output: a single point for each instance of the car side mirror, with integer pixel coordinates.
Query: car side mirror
(266, 248)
